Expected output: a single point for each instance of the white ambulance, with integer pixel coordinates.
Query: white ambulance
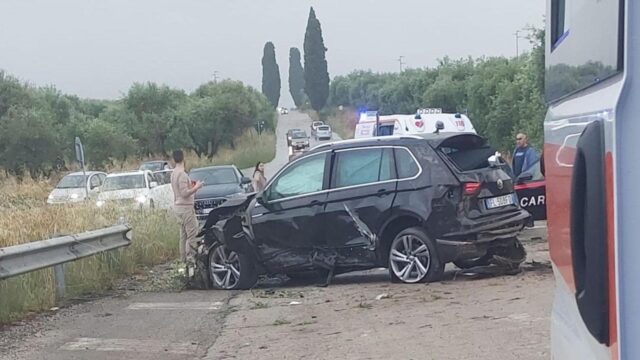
(422, 122)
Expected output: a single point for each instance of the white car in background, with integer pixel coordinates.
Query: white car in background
(136, 189)
(74, 187)
(314, 127)
(323, 132)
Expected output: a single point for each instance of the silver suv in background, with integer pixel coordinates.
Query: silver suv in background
(323, 132)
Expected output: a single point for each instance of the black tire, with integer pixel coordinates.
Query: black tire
(434, 267)
(243, 264)
(471, 263)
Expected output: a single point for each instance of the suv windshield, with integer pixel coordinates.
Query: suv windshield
(123, 182)
(299, 135)
(323, 127)
(71, 181)
(215, 176)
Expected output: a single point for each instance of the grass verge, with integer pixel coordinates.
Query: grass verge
(155, 240)
(25, 217)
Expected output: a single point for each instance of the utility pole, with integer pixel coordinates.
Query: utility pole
(400, 61)
(517, 34)
(215, 76)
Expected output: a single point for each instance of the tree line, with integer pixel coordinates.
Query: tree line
(38, 124)
(501, 96)
(308, 84)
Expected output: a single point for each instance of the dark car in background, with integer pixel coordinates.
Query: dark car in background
(290, 135)
(407, 203)
(220, 183)
(299, 140)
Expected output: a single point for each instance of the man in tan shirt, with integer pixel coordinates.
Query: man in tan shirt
(183, 201)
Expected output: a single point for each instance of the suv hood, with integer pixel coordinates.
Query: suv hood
(218, 190)
(122, 194)
(229, 208)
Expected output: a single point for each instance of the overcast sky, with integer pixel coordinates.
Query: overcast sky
(98, 48)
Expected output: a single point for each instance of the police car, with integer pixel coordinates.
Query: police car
(531, 190)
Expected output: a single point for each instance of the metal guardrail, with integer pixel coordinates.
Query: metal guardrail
(24, 258)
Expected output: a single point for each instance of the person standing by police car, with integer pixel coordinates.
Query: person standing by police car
(524, 156)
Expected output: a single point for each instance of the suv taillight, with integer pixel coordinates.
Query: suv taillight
(471, 188)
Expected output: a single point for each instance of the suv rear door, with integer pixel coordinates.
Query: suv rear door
(363, 185)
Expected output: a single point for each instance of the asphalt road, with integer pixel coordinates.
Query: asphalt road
(292, 120)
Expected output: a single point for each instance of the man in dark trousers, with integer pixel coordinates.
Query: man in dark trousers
(524, 156)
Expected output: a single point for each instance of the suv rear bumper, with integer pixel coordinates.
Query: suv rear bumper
(477, 235)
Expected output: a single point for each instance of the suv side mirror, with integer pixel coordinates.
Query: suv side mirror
(245, 180)
(153, 184)
(262, 198)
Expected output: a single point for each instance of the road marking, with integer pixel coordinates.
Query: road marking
(176, 306)
(130, 345)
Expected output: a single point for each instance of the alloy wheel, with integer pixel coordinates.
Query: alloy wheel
(410, 258)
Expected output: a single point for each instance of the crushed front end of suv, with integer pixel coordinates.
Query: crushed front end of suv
(409, 204)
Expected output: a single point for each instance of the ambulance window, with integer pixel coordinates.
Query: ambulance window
(558, 15)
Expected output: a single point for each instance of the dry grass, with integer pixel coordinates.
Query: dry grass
(25, 217)
(155, 240)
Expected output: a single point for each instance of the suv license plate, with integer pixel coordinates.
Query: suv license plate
(499, 201)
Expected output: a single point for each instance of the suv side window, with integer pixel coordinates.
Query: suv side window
(94, 182)
(363, 166)
(406, 164)
(304, 177)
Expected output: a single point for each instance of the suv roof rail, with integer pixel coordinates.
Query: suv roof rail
(355, 141)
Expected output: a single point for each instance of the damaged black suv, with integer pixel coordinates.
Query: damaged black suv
(410, 204)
